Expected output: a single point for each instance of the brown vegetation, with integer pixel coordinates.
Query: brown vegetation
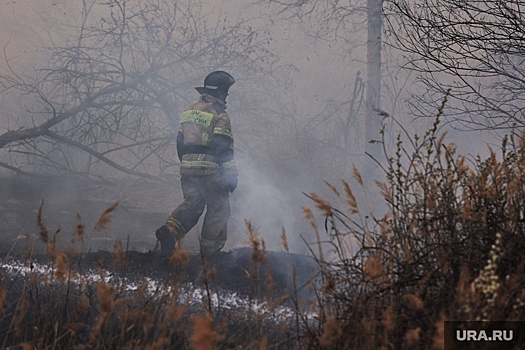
(68, 308)
(450, 248)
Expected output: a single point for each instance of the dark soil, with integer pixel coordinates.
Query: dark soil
(139, 212)
(234, 274)
(283, 277)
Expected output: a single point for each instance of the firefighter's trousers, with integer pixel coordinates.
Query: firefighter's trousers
(200, 191)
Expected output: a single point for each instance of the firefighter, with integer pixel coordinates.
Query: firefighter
(208, 171)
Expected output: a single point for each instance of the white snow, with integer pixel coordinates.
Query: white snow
(187, 293)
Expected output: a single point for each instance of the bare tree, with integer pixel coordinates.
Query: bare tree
(111, 99)
(476, 48)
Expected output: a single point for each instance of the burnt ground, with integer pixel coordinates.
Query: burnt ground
(236, 280)
(142, 207)
(233, 271)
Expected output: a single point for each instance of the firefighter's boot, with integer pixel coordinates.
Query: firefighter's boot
(167, 241)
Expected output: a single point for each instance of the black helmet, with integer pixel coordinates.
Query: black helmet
(217, 84)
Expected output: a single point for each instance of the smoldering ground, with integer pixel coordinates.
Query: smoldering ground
(143, 206)
(232, 282)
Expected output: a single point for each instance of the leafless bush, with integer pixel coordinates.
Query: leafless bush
(450, 248)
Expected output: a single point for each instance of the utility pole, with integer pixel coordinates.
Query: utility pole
(373, 87)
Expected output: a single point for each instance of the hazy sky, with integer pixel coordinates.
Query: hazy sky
(322, 71)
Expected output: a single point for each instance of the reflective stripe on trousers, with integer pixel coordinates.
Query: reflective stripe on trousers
(201, 191)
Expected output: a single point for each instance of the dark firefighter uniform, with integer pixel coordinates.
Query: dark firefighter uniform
(208, 171)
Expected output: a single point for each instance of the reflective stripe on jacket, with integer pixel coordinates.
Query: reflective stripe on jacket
(205, 140)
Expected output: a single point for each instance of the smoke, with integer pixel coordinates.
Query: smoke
(291, 134)
(270, 205)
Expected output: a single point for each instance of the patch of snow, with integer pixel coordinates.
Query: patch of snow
(222, 299)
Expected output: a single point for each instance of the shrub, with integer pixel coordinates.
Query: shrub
(451, 247)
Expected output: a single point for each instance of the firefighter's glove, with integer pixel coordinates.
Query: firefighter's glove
(229, 180)
(232, 182)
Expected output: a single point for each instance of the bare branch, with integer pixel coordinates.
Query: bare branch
(98, 155)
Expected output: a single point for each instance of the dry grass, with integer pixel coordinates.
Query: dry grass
(66, 309)
(450, 247)
(204, 336)
(105, 218)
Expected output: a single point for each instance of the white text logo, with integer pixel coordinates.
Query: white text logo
(495, 335)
